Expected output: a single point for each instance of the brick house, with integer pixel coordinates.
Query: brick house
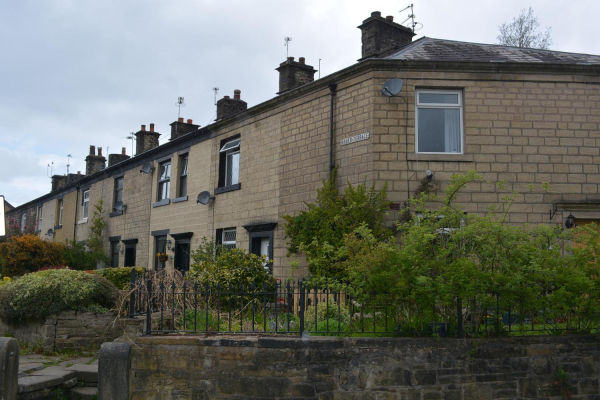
(518, 115)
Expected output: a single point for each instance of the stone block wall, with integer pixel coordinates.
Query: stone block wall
(68, 330)
(363, 368)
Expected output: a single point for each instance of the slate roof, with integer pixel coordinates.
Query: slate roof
(429, 49)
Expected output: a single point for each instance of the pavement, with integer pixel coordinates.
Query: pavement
(42, 376)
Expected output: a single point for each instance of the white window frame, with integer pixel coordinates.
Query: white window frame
(60, 211)
(40, 212)
(85, 205)
(164, 185)
(23, 221)
(230, 149)
(230, 244)
(459, 106)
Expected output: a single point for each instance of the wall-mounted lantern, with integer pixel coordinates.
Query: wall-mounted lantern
(570, 221)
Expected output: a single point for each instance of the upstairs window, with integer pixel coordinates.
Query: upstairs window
(183, 167)
(60, 212)
(86, 204)
(164, 180)
(118, 192)
(39, 219)
(23, 222)
(439, 122)
(230, 163)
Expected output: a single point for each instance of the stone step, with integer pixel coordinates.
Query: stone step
(84, 393)
(88, 374)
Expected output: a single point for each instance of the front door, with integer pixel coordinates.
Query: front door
(129, 255)
(182, 256)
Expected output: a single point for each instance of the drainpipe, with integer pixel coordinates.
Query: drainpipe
(332, 89)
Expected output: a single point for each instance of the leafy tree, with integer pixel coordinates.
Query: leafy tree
(523, 31)
(321, 228)
(95, 242)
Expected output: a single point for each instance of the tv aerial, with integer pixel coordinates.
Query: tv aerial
(415, 26)
(392, 87)
(147, 168)
(287, 40)
(204, 197)
(180, 103)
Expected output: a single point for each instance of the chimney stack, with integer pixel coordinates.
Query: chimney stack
(117, 158)
(58, 182)
(180, 128)
(293, 74)
(93, 162)
(380, 35)
(226, 107)
(146, 140)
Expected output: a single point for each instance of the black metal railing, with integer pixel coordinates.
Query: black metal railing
(172, 304)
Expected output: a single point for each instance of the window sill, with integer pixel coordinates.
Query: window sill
(83, 221)
(440, 157)
(116, 213)
(226, 189)
(180, 199)
(161, 203)
(58, 227)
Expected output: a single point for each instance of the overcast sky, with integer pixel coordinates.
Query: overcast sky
(75, 73)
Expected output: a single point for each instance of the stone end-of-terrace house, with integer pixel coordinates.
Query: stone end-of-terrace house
(517, 115)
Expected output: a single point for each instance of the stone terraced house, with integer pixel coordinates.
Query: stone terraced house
(523, 116)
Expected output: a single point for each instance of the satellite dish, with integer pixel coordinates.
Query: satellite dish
(147, 168)
(50, 232)
(392, 87)
(118, 206)
(204, 198)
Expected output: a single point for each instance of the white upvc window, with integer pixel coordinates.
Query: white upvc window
(439, 122)
(60, 211)
(232, 162)
(23, 221)
(229, 238)
(86, 204)
(39, 219)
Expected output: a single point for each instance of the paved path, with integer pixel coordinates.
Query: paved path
(41, 376)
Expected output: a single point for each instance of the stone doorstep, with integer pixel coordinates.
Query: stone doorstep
(83, 360)
(85, 373)
(55, 371)
(30, 367)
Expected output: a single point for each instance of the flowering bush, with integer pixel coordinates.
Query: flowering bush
(34, 297)
(29, 253)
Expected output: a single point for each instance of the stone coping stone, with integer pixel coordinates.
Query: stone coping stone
(32, 383)
(55, 371)
(85, 373)
(84, 360)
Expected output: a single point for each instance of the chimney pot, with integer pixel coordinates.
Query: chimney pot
(180, 119)
(390, 18)
(78, 172)
(144, 128)
(123, 151)
(189, 121)
(225, 97)
(99, 151)
(151, 127)
(376, 14)
(290, 58)
(92, 150)
(302, 60)
(236, 94)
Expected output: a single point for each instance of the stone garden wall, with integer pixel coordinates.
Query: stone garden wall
(364, 368)
(68, 329)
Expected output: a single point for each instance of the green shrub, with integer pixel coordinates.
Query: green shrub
(326, 312)
(120, 277)
(36, 296)
(77, 257)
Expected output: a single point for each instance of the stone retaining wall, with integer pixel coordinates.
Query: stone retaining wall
(68, 330)
(363, 368)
